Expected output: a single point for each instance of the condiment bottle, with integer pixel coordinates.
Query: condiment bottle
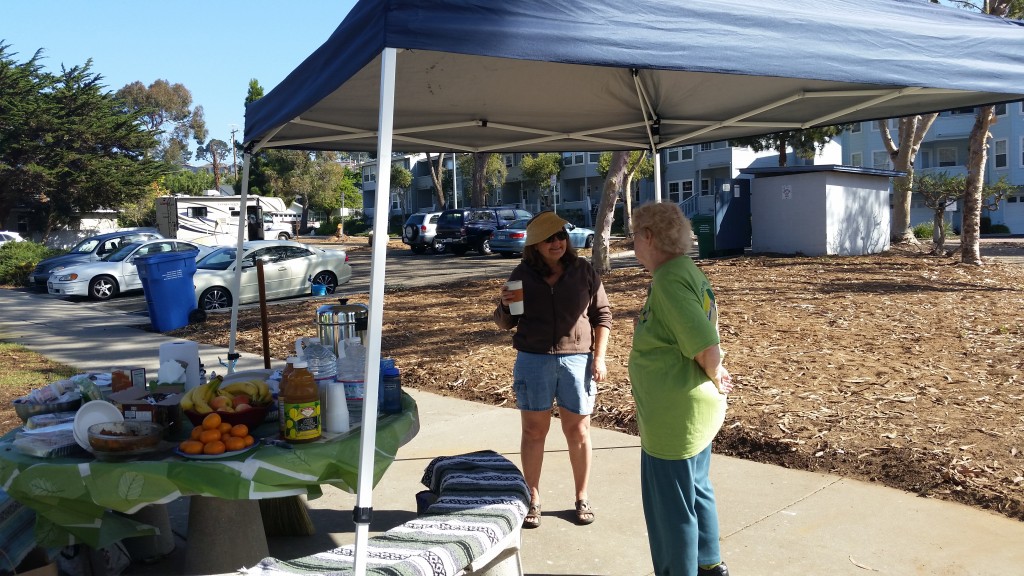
(289, 367)
(300, 404)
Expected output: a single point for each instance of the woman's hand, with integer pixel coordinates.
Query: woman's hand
(598, 369)
(506, 296)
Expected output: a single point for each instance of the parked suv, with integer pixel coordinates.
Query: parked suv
(462, 229)
(420, 232)
(91, 249)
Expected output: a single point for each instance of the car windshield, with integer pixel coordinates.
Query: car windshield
(219, 259)
(121, 253)
(85, 246)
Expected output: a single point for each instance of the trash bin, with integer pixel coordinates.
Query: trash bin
(167, 282)
(704, 228)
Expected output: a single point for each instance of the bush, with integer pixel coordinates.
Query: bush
(353, 225)
(999, 229)
(17, 259)
(924, 231)
(986, 225)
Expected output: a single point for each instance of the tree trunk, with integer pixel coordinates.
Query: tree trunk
(479, 171)
(938, 232)
(912, 131)
(782, 153)
(977, 152)
(627, 213)
(437, 176)
(606, 211)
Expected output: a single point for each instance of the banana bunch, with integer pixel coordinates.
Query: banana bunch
(201, 399)
(198, 398)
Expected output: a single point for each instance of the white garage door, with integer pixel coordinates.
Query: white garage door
(1013, 215)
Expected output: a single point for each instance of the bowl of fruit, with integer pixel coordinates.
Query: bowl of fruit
(214, 438)
(239, 402)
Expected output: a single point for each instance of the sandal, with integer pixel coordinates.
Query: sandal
(532, 519)
(584, 514)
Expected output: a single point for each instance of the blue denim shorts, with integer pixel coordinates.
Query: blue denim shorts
(540, 378)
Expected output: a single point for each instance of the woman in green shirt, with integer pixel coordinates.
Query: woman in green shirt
(679, 385)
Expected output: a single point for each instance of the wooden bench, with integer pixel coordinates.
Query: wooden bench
(473, 527)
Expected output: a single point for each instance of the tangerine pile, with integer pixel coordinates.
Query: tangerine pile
(215, 436)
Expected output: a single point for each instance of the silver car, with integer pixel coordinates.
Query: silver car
(419, 233)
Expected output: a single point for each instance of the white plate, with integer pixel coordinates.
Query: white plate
(245, 450)
(94, 412)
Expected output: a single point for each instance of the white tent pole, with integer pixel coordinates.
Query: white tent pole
(368, 436)
(657, 176)
(455, 181)
(236, 284)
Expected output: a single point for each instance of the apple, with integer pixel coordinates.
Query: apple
(219, 403)
(239, 399)
(242, 407)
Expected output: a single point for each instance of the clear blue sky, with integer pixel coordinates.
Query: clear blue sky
(212, 47)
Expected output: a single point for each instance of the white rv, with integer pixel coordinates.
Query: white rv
(213, 220)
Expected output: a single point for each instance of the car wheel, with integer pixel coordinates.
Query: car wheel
(437, 246)
(590, 242)
(215, 298)
(283, 236)
(459, 250)
(418, 248)
(484, 247)
(102, 288)
(507, 254)
(327, 279)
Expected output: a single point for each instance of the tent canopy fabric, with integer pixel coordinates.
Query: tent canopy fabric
(563, 75)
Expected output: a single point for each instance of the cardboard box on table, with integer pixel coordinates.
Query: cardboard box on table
(159, 405)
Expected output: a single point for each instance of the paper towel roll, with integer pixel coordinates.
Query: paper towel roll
(184, 352)
(336, 411)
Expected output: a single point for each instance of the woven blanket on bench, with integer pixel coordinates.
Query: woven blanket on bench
(482, 501)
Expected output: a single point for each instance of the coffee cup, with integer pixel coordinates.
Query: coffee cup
(515, 291)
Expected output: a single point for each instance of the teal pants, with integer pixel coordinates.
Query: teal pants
(679, 507)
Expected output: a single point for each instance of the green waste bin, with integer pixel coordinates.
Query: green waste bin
(704, 228)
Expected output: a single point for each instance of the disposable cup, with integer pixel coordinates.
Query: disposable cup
(515, 289)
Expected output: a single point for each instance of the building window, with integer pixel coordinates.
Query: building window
(855, 128)
(680, 190)
(572, 158)
(924, 159)
(704, 147)
(369, 176)
(880, 159)
(961, 111)
(947, 157)
(1000, 109)
(510, 160)
(856, 159)
(705, 186)
(593, 157)
(999, 154)
(682, 154)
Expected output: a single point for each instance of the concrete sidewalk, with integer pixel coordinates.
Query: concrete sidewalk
(774, 521)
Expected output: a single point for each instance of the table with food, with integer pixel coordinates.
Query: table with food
(97, 448)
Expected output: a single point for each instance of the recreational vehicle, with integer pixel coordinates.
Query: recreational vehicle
(213, 220)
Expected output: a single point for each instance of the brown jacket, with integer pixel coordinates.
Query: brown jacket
(558, 319)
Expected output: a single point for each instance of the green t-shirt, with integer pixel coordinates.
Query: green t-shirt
(679, 409)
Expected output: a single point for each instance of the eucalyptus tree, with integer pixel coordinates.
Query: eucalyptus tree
(167, 108)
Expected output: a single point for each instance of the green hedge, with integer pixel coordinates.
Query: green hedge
(17, 259)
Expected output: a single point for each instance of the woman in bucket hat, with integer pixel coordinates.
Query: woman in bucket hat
(561, 338)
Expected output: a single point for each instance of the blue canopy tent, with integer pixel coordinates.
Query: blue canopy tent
(567, 75)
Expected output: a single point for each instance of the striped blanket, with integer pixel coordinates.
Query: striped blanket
(482, 499)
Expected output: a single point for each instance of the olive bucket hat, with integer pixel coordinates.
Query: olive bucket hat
(542, 226)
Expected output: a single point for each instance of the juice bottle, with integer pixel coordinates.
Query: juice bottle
(300, 404)
(289, 367)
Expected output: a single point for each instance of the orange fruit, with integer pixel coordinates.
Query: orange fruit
(215, 447)
(212, 421)
(234, 443)
(209, 436)
(224, 427)
(249, 440)
(224, 436)
(195, 433)
(240, 430)
(191, 447)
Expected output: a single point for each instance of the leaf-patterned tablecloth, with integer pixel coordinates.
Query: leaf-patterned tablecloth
(74, 498)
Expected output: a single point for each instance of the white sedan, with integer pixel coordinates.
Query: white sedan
(116, 272)
(289, 269)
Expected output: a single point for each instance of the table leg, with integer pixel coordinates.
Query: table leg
(223, 535)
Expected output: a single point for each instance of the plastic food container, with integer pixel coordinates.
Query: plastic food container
(25, 409)
(127, 436)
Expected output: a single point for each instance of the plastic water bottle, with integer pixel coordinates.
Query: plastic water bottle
(321, 361)
(351, 372)
(390, 387)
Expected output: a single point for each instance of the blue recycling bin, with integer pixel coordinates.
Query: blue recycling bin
(167, 281)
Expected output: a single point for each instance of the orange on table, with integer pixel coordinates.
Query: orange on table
(212, 421)
(224, 427)
(215, 447)
(191, 447)
(196, 432)
(234, 443)
(249, 440)
(240, 430)
(207, 436)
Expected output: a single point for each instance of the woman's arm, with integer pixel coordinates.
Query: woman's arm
(599, 369)
(710, 359)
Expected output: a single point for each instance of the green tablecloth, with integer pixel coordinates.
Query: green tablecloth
(74, 497)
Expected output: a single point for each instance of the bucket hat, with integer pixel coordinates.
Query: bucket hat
(542, 226)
